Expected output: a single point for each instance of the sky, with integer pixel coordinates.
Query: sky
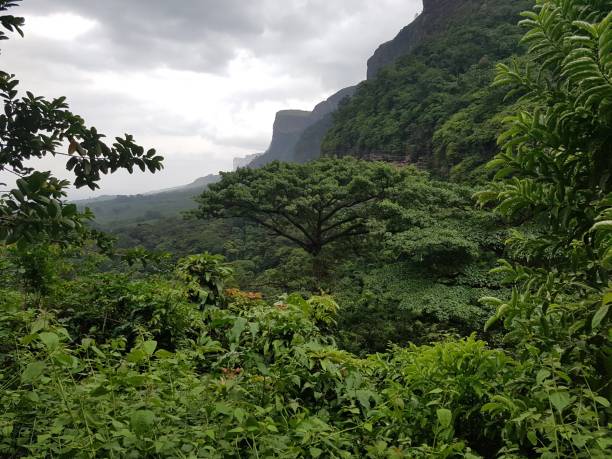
(199, 80)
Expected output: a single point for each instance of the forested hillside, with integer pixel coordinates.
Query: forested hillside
(341, 307)
(435, 105)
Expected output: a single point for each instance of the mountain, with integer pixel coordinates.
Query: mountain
(290, 125)
(435, 17)
(434, 105)
(245, 160)
(128, 209)
(424, 88)
(427, 100)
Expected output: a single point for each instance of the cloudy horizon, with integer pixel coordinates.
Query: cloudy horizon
(199, 80)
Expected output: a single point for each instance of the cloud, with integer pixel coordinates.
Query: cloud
(196, 78)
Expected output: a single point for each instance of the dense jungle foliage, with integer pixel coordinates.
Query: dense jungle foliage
(392, 340)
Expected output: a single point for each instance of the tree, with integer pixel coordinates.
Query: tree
(554, 171)
(32, 127)
(311, 205)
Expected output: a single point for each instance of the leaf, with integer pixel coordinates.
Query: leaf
(560, 399)
(542, 376)
(32, 372)
(445, 417)
(141, 421)
(149, 346)
(237, 329)
(599, 316)
(50, 340)
(492, 321)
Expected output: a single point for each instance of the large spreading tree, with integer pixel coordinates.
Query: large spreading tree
(312, 205)
(32, 127)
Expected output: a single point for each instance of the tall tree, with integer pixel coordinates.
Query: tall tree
(311, 205)
(33, 127)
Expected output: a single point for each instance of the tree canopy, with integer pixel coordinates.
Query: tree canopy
(311, 205)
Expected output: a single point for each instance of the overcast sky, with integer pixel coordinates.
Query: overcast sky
(199, 80)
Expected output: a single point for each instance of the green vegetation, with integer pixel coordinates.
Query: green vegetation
(435, 106)
(177, 357)
(311, 205)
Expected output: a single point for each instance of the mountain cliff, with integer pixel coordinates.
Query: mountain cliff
(433, 105)
(290, 125)
(424, 88)
(434, 18)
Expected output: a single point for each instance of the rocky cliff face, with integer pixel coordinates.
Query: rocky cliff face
(245, 160)
(435, 17)
(331, 104)
(290, 125)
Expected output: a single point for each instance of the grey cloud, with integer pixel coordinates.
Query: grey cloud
(204, 35)
(319, 45)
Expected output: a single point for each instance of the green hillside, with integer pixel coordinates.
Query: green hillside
(435, 106)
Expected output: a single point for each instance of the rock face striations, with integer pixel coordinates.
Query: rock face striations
(291, 125)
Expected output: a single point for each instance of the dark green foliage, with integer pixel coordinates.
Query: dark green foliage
(435, 107)
(205, 276)
(8, 21)
(105, 306)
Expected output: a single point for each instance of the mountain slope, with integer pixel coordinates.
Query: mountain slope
(434, 106)
(124, 209)
(435, 17)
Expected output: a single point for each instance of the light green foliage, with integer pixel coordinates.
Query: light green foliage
(259, 380)
(174, 364)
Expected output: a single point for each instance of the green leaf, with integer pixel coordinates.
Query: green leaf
(50, 340)
(149, 346)
(599, 316)
(237, 329)
(602, 401)
(445, 417)
(141, 421)
(560, 399)
(32, 372)
(542, 376)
